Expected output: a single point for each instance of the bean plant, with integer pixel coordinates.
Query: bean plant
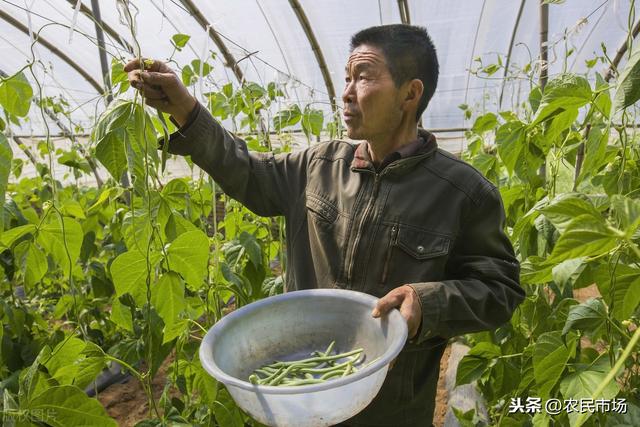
(134, 271)
(566, 164)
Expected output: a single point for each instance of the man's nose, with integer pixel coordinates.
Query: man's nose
(348, 94)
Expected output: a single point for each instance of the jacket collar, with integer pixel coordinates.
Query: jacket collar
(405, 160)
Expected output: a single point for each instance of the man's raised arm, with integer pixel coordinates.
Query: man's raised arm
(266, 184)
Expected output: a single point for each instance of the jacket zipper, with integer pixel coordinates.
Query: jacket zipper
(394, 231)
(376, 187)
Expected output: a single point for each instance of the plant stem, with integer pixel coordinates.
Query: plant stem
(619, 330)
(611, 375)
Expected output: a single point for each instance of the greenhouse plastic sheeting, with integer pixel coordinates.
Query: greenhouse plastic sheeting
(268, 41)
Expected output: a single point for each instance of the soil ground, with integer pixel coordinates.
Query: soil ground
(442, 397)
(127, 402)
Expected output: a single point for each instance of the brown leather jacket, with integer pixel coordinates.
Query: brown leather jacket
(428, 220)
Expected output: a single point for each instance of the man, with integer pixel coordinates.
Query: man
(393, 216)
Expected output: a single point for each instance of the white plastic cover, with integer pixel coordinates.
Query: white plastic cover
(266, 37)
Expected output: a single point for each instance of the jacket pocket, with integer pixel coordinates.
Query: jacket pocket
(422, 244)
(414, 255)
(321, 210)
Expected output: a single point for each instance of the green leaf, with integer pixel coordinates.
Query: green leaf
(312, 122)
(204, 383)
(188, 255)
(176, 193)
(602, 103)
(188, 76)
(226, 410)
(484, 162)
(588, 317)
(550, 356)
(565, 207)
(287, 117)
(511, 140)
(36, 265)
(476, 362)
(251, 245)
(511, 196)
(485, 123)
(177, 225)
(31, 379)
(168, 299)
(626, 297)
(73, 160)
(253, 91)
(73, 208)
(535, 97)
(227, 90)
(121, 315)
(66, 405)
(628, 91)
(567, 272)
(180, 40)
(129, 272)
(274, 91)
(566, 92)
(86, 371)
(627, 213)
(491, 69)
(541, 419)
(74, 362)
(15, 95)
(137, 230)
(6, 156)
(629, 419)
(124, 134)
(608, 276)
(196, 64)
(9, 404)
(9, 237)
(583, 236)
(61, 239)
(218, 105)
(560, 313)
(595, 152)
(534, 271)
(63, 354)
(465, 418)
(583, 385)
(119, 76)
(558, 125)
(104, 196)
(111, 153)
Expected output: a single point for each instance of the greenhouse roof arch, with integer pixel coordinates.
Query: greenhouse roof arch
(303, 44)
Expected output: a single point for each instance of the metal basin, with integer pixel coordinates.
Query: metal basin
(289, 327)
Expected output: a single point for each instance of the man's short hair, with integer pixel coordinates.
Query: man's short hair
(409, 53)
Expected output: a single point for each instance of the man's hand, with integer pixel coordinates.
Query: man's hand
(406, 299)
(161, 88)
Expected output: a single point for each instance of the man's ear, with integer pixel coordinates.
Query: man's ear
(415, 89)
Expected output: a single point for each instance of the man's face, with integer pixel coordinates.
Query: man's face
(371, 99)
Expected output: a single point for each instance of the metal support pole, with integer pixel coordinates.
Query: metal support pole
(101, 50)
(544, 61)
(544, 48)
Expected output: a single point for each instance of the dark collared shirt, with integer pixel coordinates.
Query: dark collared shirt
(363, 160)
